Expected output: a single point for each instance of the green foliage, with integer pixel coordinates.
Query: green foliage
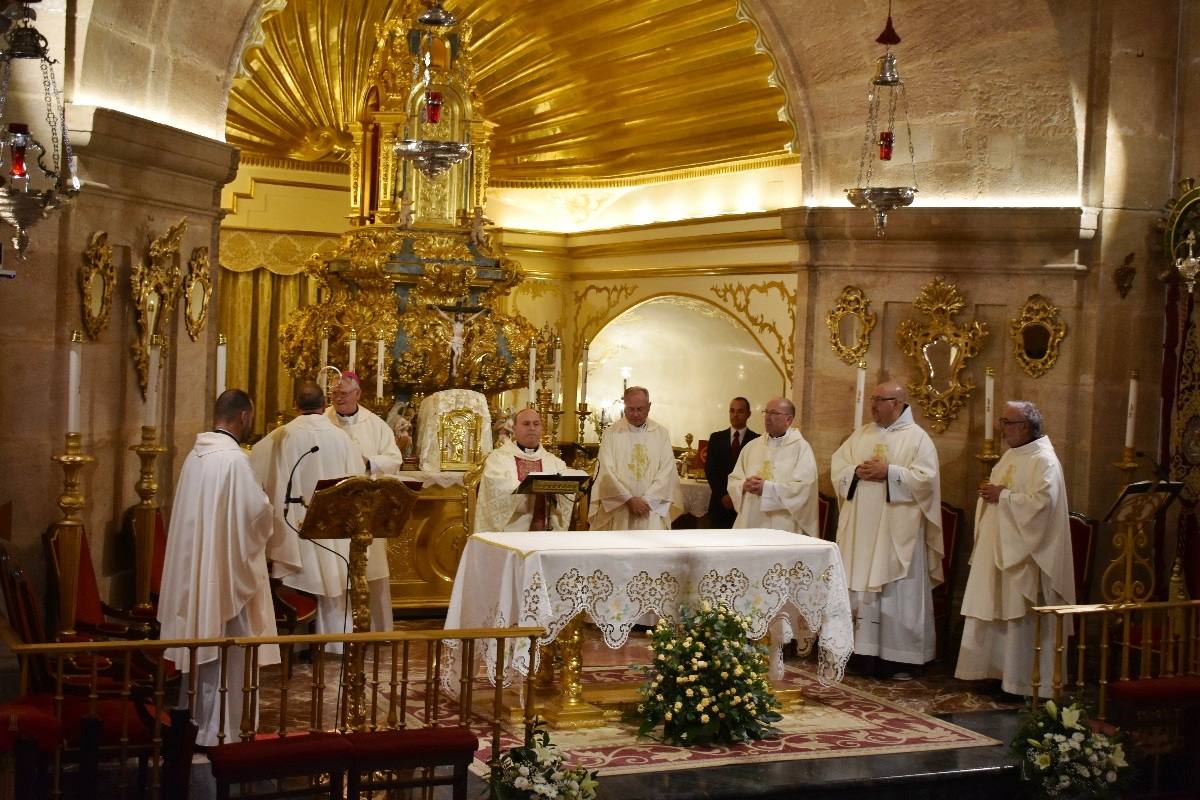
(708, 681)
(1062, 756)
(537, 770)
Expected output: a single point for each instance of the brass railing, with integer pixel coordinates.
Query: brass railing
(405, 687)
(1131, 641)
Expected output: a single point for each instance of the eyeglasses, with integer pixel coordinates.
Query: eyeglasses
(776, 414)
(1004, 421)
(875, 399)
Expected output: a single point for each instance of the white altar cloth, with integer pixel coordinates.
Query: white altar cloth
(695, 496)
(788, 583)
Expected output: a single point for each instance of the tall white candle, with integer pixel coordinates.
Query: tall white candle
(150, 419)
(74, 371)
(989, 404)
(222, 361)
(379, 367)
(321, 379)
(583, 382)
(860, 392)
(557, 372)
(1131, 414)
(353, 350)
(532, 373)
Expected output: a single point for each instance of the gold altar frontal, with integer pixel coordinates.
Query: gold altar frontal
(424, 559)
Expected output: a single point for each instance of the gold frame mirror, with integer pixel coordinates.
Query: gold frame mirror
(851, 319)
(940, 349)
(197, 291)
(1036, 335)
(97, 277)
(155, 289)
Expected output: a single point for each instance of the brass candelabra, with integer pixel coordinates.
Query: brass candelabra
(145, 513)
(69, 530)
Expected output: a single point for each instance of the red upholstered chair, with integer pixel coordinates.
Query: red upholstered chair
(953, 522)
(93, 617)
(1083, 540)
(269, 757)
(294, 612)
(29, 736)
(397, 759)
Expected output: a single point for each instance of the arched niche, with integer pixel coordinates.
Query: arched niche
(691, 354)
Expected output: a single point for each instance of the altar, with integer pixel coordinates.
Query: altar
(789, 585)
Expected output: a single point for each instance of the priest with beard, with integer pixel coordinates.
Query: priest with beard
(497, 508)
(306, 450)
(637, 485)
(1022, 558)
(215, 581)
(886, 476)
(774, 483)
(381, 456)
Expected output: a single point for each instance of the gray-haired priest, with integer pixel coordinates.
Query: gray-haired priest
(774, 483)
(376, 442)
(1022, 558)
(497, 508)
(887, 480)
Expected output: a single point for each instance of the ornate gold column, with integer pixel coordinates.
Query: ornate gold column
(68, 532)
(570, 710)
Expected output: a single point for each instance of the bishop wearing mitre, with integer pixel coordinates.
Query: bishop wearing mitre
(774, 483)
(887, 479)
(497, 508)
(637, 485)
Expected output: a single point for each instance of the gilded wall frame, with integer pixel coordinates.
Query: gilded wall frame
(155, 288)
(97, 277)
(197, 291)
(852, 307)
(1036, 334)
(940, 348)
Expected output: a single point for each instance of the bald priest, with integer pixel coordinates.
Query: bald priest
(774, 483)
(497, 508)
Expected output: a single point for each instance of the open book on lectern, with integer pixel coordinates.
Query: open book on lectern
(569, 481)
(1144, 500)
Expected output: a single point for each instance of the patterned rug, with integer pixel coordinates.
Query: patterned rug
(835, 721)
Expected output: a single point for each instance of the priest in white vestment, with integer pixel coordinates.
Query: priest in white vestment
(637, 482)
(1022, 558)
(497, 508)
(215, 580)
(888, 485)
(381, 456)
(317, 450)
(774, 483)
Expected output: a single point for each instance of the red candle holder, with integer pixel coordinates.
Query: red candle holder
(18, 141)
(886, 141)
(433, 107)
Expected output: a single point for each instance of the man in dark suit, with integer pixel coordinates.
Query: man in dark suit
(723, 449)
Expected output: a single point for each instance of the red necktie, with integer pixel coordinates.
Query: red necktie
(736, 446)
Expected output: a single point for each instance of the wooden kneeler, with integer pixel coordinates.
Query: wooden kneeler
(410, 750)
(270, 757)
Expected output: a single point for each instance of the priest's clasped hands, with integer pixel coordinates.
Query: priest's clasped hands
(638, 507)
(873, 469)
(753, 485)
(990, 492)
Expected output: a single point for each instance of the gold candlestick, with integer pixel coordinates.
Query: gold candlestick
(145, 513)
(988, 456)
(1128, 462)
(68, 531)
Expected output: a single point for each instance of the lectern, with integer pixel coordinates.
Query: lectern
(359, 509)
(551, 486)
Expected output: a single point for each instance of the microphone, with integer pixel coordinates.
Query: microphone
(287, 493)
(1160, 471)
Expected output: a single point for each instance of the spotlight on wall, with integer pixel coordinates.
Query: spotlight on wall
(29, 189)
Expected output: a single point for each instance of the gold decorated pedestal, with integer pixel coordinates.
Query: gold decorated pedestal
(424, 559)
(68, 531)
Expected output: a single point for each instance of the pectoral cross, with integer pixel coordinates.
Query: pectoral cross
(639, 462)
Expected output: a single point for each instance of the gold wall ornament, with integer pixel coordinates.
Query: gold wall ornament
(1036, 335)
(155, 290)
(940, 349)
(97, 277)
(589, 318)
(1123, 276)
(850, 323)
(740, 295)
(197, 291)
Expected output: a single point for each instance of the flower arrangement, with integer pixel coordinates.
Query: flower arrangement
(708, 681)
(536, 769)
(1062, 756)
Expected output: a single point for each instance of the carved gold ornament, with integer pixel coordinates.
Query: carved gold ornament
(97, 277)
(155, 290)
(197, 291)
(740, 295)
(940, 348)
(1036, 335)
(459, 433)
(850, 323)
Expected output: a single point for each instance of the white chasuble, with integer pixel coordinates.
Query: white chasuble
(635, 462)
(1022, 558)
(323, 572)
(882, 523)
(789, 497)
(498, 509)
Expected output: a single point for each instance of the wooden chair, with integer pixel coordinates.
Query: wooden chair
(1083, 540)
(295, 611)
(827, 517)
(953, 521)
(92, 616)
